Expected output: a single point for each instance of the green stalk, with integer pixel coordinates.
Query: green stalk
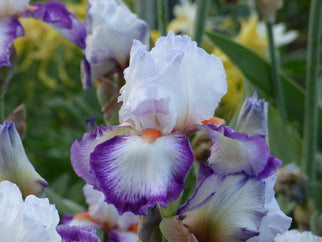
(310, 129)
(2, 115)
(199, 28)
(163, 16)
(149, 225)
(278, 91)
(146, 9)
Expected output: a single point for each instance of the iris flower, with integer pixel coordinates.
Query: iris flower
(171, 92)
(111, 28)
(52, 12)
(145, 160)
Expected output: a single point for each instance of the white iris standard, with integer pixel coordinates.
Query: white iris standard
(171, 87)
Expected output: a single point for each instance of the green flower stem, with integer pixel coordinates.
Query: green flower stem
(199, 28)
(149, 230)
(2, 115)
(162, 16)
(310, 130)
(278, 91)
(146, 9)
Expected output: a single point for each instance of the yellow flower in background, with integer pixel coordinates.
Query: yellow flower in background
(185, 14)
(36, 45)
(249, 37)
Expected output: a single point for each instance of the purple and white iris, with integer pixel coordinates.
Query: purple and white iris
(111, 28)
(53, 12)
(145, 161)
(170, 92)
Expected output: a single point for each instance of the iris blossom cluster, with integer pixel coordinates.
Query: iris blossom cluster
(52, 12)
(170, 93)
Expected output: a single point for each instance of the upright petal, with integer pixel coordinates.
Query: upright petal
(10, 29)
(252, 118)
(233, 211)
(81, 150)
(234, 152)
(111, 29)
(12, 7)
(173, 86)
(56, 14)
(135, 173)
(14, 163)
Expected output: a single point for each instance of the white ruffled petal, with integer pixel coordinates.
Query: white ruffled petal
(12, 7)
(173, 86)
(34, 220)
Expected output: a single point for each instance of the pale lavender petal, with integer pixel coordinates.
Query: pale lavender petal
(10, 29)
(134, 173)
(122, 236)
(75, 234)
(206, 186)
(233, 212)
(234, 152)
(81, 150)
(252, 118)
(275, 221)
(163, 87)
(56, 14)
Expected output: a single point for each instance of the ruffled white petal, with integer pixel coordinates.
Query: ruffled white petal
(295, 235)
(173, 86)
(12, 7)
(34, 220)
